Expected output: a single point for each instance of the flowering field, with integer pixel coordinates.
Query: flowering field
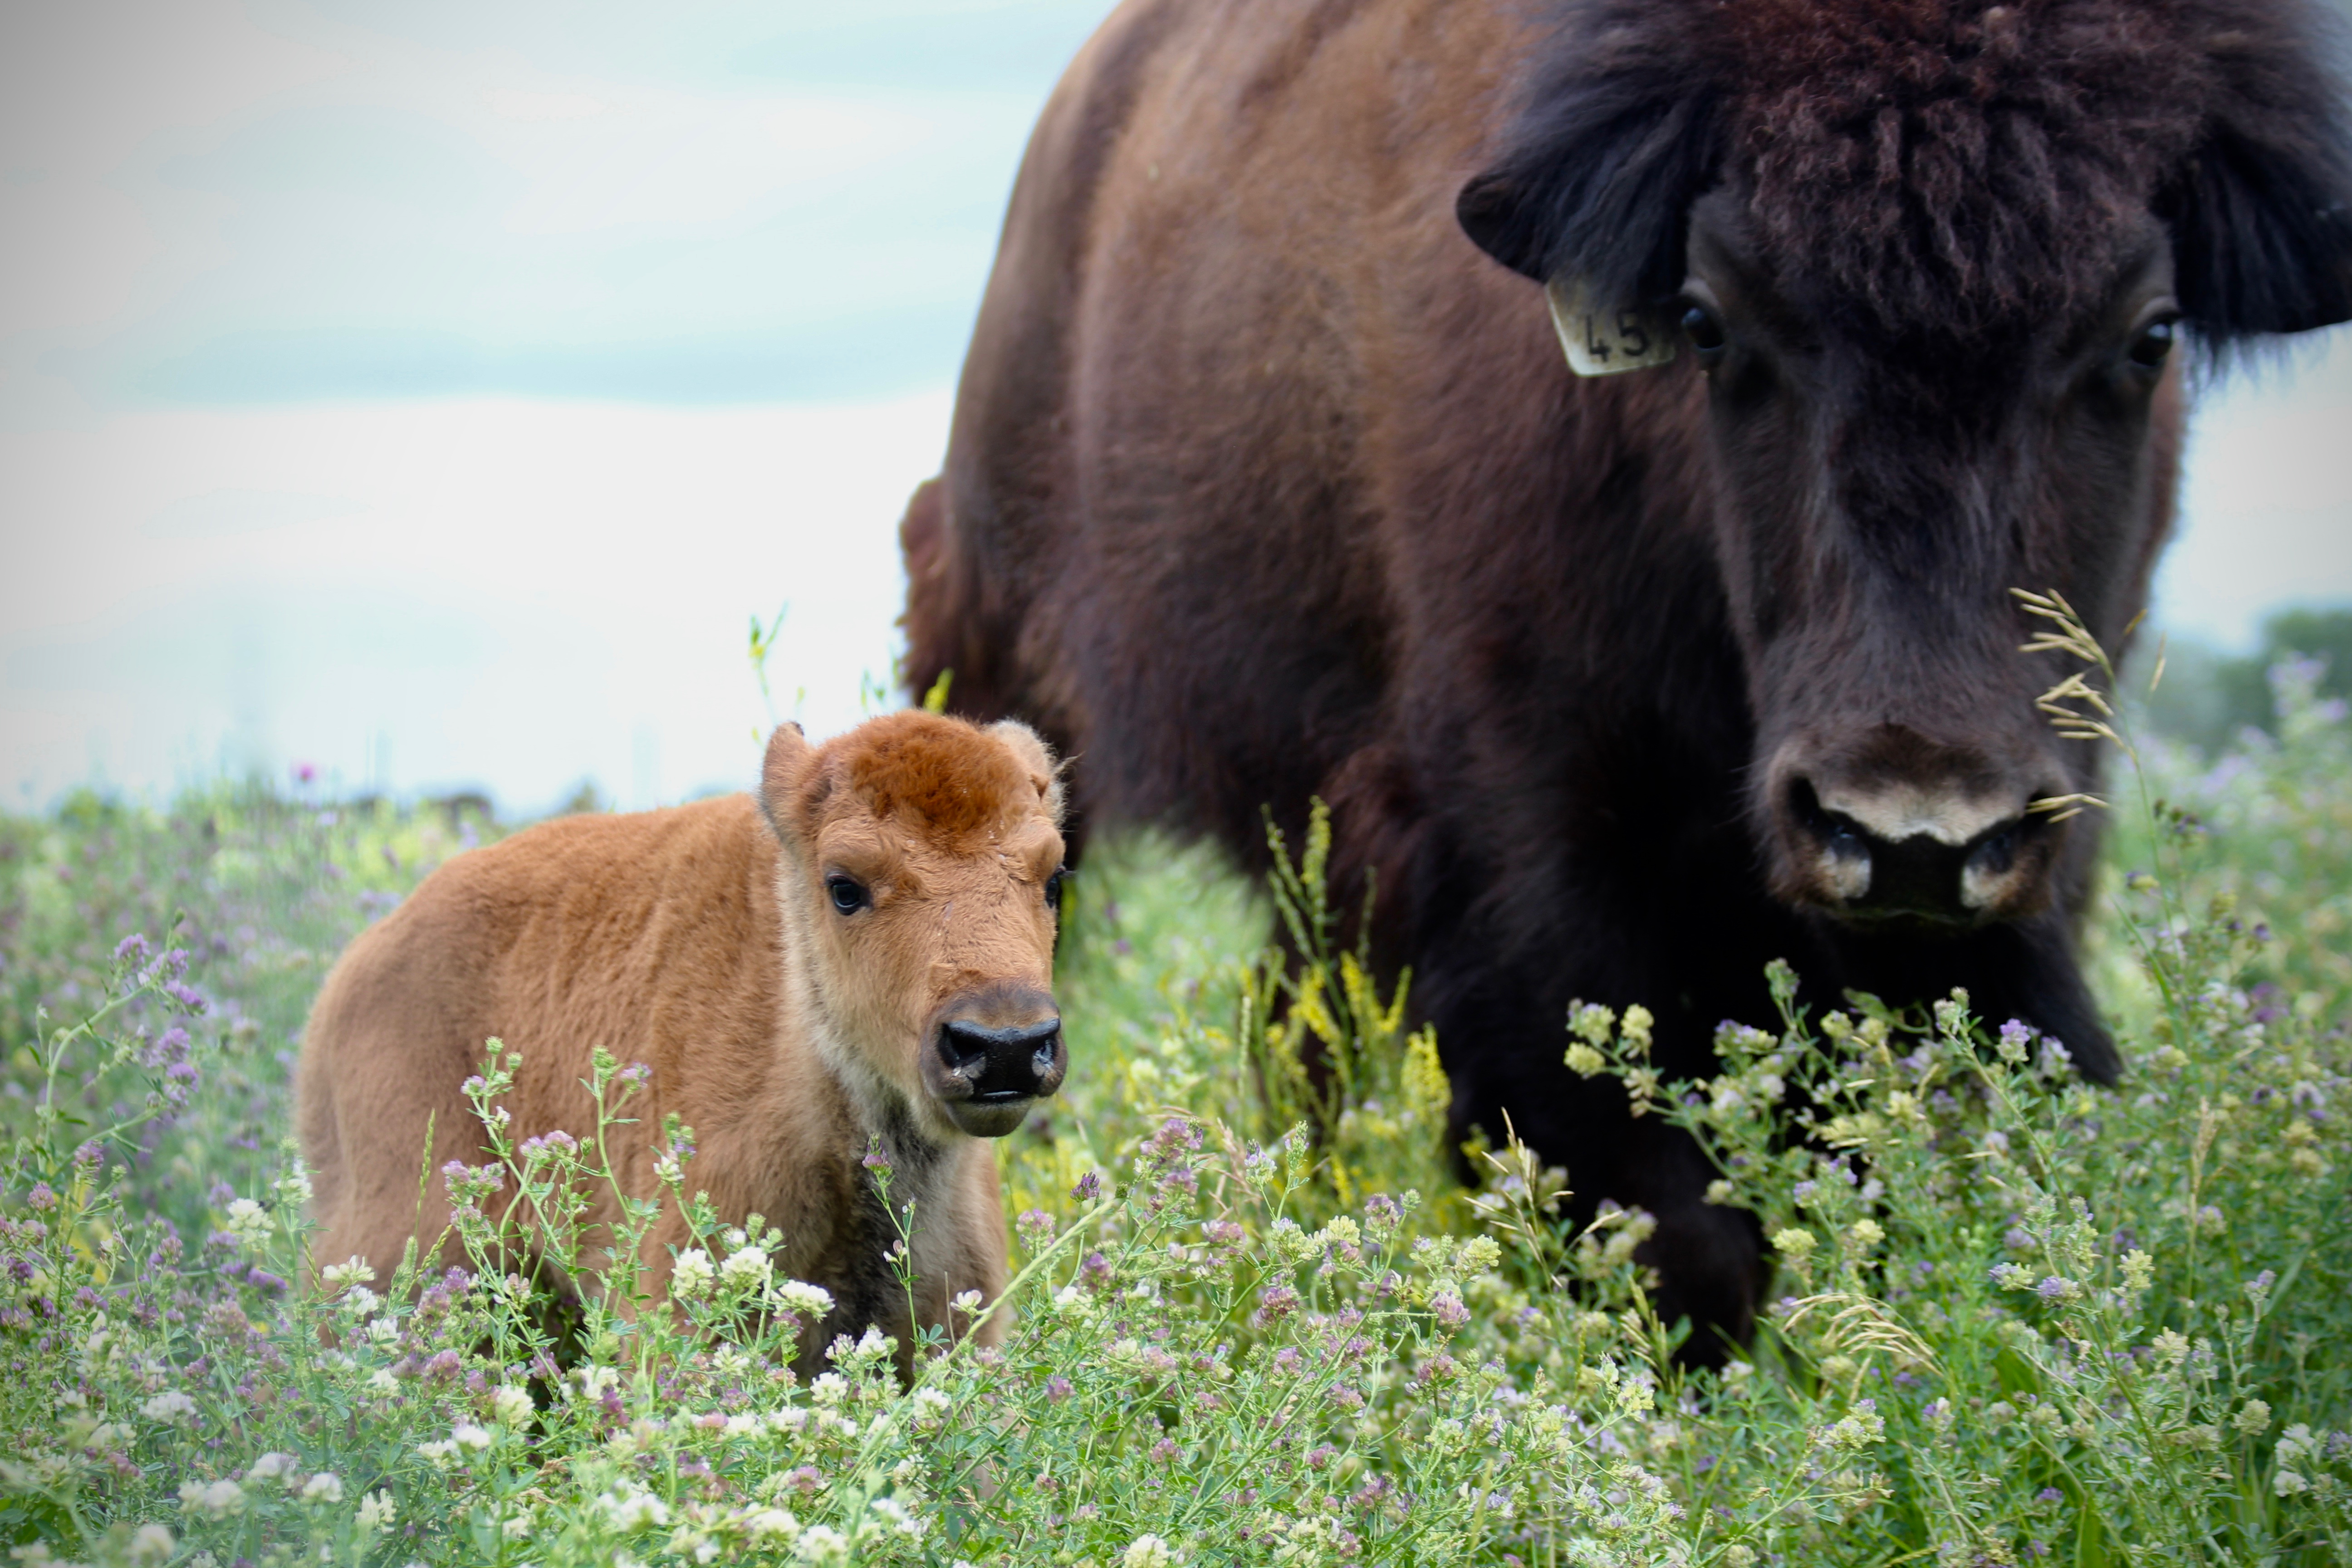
(1256, 1320)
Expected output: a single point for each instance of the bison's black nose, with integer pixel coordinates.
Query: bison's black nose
(1924, 875)
(1020, 1062)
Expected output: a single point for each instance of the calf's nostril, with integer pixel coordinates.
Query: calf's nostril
(1002, 1063)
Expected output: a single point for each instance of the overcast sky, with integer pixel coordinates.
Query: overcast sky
(432, 392)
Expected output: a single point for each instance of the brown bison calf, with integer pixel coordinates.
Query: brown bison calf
(865, 954)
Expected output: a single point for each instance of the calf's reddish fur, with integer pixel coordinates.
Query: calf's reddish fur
(701, 942)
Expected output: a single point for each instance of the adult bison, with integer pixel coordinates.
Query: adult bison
(1267, 481)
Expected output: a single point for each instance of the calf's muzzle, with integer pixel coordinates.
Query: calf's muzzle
(994, 1055)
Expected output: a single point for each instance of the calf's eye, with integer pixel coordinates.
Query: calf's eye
(1053, 889)
(848, 893)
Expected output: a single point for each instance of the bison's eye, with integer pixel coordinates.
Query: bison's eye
(848, 893)
(2152, 346)
(1704, 331)
(1053, 889)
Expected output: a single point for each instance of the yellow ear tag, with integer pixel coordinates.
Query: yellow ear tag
(1605, 343)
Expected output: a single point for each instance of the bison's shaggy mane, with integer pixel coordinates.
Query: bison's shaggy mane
(1940, 166)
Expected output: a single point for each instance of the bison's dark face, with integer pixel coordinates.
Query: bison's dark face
(1932, 260)
(1878, 494)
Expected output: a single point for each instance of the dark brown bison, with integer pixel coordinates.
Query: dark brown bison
(1267, 481)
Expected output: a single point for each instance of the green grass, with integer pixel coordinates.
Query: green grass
(2019, 1319)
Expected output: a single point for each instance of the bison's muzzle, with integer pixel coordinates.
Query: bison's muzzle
(1951, 845)
(985, 1074)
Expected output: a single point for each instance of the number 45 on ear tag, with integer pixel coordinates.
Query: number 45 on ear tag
(1605, 342)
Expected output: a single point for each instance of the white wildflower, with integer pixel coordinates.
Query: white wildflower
(896, 1517)
(743, 1424)
(359, 1302)
(269, 1467)
(335, 1275)
(1147, 1551)
(596, 1380)
(762, 1525)
(631, 1509)
(169, 1406)
(810, 1301)
(377, 1511)
(218, 1500)
(745, 1266)
(668, 1172)
(249, 1222)
(966, 1302)
(466, 1434)
(152, 1543)
(692, 1274)
(930, 1407)
(829, 1388)
(2286, 1483)
(509, 1404)
(383, 1330)
(383, 1381)
(324, 1487)
(822, 1544)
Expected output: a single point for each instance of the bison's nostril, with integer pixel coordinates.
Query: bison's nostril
(1845, 856)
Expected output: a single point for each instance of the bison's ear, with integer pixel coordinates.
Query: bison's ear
(1044, 773)
(2262, 212)
(789, 758)
(1596, 183)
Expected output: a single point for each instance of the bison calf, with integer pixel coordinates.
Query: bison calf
(865, 954)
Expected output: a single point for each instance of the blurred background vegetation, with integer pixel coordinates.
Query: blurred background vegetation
(2207, 698)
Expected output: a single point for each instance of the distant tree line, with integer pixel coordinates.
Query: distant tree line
(2210, 699)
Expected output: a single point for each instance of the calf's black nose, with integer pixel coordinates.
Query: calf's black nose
(1022, 1061)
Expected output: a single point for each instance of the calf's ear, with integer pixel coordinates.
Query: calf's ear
(1044, 773)
(789, 758)
(2261, 212)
